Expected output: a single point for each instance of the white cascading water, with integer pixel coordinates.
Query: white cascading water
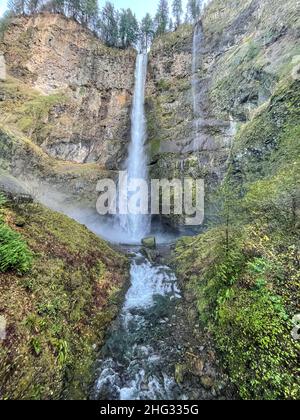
(137, 226)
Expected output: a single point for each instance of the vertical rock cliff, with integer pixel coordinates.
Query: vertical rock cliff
(83, 90)
(244, 50)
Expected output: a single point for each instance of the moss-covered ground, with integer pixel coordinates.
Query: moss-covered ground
(57, 308)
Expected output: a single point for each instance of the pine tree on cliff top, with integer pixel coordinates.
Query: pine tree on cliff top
(129, 28)
(147, 31)
(90, 13)
(33, 6)
(177, 11)
(18, 7)
(109, 25)
(194, 9)
(162, 17)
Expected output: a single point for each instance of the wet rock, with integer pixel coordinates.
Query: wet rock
(198, 367)
(150, 254)
(207, 382)
(20, 222)
(180, 371)
(144, 386)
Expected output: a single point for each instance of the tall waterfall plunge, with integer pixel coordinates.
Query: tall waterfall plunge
(137, 226)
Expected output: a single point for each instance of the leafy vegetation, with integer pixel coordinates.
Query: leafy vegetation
(14, 253)
(244, 272)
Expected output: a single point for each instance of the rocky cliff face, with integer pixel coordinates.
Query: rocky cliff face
(2, 67)
(243, 50)
(243, 272)
(80, 109)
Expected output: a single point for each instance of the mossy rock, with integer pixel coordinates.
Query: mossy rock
(149, 242)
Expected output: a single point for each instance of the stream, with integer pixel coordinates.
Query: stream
(133, 364)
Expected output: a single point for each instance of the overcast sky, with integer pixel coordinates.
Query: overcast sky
(140, 7)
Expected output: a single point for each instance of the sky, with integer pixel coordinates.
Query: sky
(140, 7)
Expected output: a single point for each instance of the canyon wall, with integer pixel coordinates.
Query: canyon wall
(2, 67)
(71, 93)
(244, 50)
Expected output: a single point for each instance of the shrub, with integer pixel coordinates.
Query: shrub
(252, 330)
(14, 253)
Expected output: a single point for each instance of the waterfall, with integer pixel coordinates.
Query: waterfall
(137, 226)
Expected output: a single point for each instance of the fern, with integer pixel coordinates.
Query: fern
(14, 253)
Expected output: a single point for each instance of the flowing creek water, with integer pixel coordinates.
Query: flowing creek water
(134, 362)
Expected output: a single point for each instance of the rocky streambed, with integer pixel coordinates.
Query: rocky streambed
(152, 351)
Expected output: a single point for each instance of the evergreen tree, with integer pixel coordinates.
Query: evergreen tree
(32, 6)
(177, 11)
(60, 6)
(147, 31)
(108, 24)
(17, 7)
(162, 17)
(74, 9)
(89, 13)
(128, 28)
(194, 9)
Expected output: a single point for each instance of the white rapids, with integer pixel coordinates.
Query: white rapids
(135, 369)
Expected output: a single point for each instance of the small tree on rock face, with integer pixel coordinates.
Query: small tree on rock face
(162, 17)
(177, 11)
